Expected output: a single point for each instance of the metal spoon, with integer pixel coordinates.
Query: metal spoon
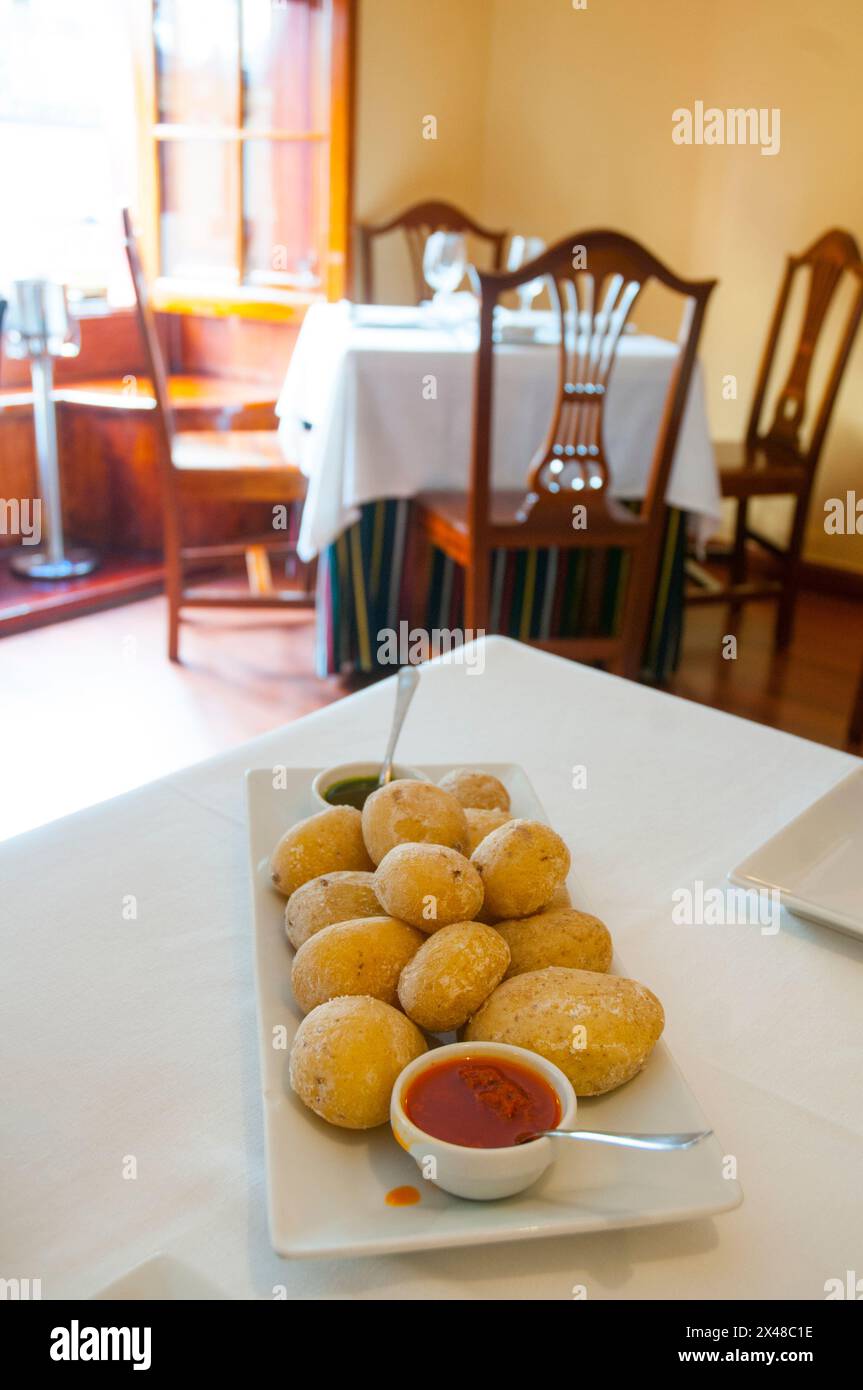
(626, 1141)
(406, 685)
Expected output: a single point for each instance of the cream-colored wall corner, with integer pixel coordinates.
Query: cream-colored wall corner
(419, 58)
(751, 210)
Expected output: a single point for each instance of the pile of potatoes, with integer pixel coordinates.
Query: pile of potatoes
(435, 911)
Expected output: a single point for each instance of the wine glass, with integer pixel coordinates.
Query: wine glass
(521, 250)
(444, 265)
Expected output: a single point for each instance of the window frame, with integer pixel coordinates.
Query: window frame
(218, 299)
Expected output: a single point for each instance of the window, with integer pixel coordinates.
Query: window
(223, 123)
(67, 141)
(247, 139)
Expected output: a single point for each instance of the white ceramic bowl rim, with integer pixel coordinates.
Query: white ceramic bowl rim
(551, 1073)
(343, 772)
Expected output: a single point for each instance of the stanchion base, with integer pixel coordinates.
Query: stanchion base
(73, 565)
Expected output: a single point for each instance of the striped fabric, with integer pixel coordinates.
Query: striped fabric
(365, 587)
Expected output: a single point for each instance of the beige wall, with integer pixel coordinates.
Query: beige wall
(418, 59)
(552, 119)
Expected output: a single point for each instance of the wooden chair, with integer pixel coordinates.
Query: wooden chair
(203, 466)
(570, 469)
(776, 462)
(418, 223)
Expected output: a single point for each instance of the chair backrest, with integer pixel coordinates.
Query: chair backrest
(829, 258)
(150, 338)
(595, 279)
(418, 223)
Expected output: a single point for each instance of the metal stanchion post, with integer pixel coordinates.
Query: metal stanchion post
(38, 328)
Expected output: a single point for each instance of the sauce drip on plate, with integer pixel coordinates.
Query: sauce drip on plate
(481, 1102)
(402, 1197)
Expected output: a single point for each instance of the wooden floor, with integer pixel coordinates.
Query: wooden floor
(29, 603)
(91, 707)
(808, 690)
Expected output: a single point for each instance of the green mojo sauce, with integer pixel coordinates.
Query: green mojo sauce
(353, 791)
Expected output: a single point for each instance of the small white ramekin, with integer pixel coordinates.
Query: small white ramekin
(342, 771)
(480, 1174)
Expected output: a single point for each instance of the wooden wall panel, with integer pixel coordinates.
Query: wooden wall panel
(111, 493)
(232, 346)
(110, 346)
(17, 459)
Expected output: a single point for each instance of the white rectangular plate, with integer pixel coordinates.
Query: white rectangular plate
(816, 861)
(327, 1187)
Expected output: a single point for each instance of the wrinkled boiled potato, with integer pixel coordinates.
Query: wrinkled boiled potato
(326, 842)
(346, 1056)
(561, 898)
(599, 1029)
(523, 864)
(338, 897)
(412, 812)
(476, 789)
(452, 974)
(428, 886)
(481, 823)
(362, 957)
(557, 936)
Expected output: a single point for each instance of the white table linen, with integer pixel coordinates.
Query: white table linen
(136, 1037)
(376, 431)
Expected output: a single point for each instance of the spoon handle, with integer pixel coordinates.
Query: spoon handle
(633, 1141)
(406, 683)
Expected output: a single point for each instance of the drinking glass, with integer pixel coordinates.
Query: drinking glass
(521, 250)
(444, 264)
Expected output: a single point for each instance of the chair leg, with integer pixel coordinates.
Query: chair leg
(310, 579)
(855, 728)
(628, 661)
(477, 592)
(259, 570)
(173, 629)
(638, 606)
(419, 551)
(738, 554)
(791, 577)
(173, 579)
(628, 664)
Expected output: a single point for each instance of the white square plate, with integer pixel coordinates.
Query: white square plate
(327, 1187)
(816, 862)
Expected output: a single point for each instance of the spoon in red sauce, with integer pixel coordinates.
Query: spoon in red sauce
(624, 1141)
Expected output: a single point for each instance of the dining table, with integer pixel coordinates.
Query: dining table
(377, 406)
(132, 1119)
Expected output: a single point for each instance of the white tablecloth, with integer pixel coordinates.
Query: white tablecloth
(135, 1037)
(376, 431)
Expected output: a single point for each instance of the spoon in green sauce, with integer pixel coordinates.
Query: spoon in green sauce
(406, 684)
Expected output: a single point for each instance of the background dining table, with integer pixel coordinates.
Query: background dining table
(377, 405)
(130, 1102)
(378, 402)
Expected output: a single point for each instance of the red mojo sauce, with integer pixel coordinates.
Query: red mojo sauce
(481, 1102)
